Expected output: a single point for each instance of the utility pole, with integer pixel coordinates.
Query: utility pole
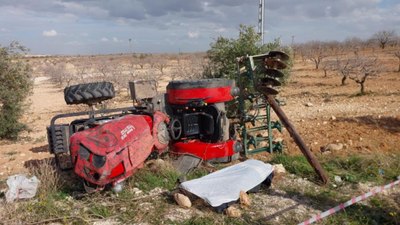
(261, 11)
(130, 45)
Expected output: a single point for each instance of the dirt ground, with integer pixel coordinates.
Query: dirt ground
(322, 110)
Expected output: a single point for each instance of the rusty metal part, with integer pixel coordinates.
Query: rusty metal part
(267, 90)
(296, 137)
(278, 54)
(275, 63)
(273, 73)
(266, 81)
(270, 72)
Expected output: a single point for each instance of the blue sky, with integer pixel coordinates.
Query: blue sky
(101, 26)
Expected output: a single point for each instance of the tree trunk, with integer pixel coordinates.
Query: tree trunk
(344, 80)
(316, 64)
(362, 92)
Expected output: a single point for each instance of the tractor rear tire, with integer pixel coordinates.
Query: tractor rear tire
(89, 93)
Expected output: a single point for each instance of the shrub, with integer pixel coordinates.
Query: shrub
(15, 86)
(224, 51)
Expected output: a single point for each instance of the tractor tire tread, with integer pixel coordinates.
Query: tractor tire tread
(89, 93)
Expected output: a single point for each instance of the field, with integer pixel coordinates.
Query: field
(367, 127)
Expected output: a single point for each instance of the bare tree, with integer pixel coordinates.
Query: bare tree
(327, 65)
(103, 67)
(81, 69)
(355, 44)
(58, 73)
(358, 69)
(345, 68)
(316, 52)
(160, 63)
(384, 37)
(365, 67)
(142, 60)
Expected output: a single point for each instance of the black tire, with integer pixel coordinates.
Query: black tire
(89, 93)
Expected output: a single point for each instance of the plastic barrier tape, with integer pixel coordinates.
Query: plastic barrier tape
(352, 201)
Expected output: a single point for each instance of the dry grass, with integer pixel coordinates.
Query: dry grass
(49, 176)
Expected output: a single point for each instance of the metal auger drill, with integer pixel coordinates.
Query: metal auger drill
(258, 77)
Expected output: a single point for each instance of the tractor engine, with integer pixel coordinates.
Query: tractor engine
(198, 122)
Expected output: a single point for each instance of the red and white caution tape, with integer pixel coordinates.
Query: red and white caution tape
(352, 201)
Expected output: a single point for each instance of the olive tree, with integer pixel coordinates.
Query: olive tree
(224, 51)
(15, 86)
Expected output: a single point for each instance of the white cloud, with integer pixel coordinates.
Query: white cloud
(116, 39)
(104, 39)
(49, 33)
(193, 34)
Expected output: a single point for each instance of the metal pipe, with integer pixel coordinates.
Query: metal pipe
(296, 137)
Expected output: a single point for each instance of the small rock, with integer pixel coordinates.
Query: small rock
(309, 104)
(137, 191)
(244, 198)
(325, 122)
(158, 165)
(338, 179)
(279, 139)
(182, 200)
(361, 139)
(232, 211)
(22, 154)
(279, 169)
(332, 147)
(333, 117)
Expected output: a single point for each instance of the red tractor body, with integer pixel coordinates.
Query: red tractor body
(111, 152)
(199, 125)
(107, 149)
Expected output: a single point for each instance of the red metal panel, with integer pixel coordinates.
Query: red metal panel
(208, 95)
(125, 143)
(204, 150)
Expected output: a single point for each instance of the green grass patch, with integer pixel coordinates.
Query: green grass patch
(100, 211)
(197, 173)
(296, 164)
(147, 180)
(198, 221)
(378, 212)
(376, 168)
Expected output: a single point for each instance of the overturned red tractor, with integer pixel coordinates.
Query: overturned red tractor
(109, 145)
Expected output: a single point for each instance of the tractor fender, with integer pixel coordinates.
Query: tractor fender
(160, 131)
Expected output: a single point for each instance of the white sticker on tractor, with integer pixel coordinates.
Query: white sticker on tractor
(128, 129)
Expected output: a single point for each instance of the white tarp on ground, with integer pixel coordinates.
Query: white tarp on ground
(224, 186)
